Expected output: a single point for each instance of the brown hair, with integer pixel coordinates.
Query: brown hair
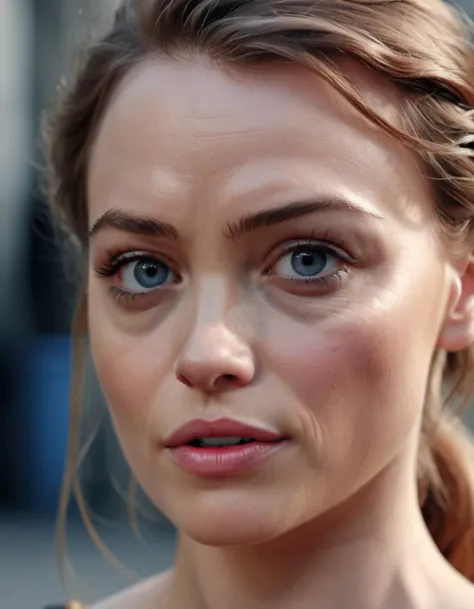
(420, 45)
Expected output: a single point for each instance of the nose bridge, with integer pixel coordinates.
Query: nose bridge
(213, 300)
(217, 349)
(213, 326)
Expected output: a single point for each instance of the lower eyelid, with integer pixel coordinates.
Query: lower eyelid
(152, 296)
(308, 291)
(318, 278)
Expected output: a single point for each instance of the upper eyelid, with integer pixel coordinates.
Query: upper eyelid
(113, 266)
(335, 248)
(134, 255)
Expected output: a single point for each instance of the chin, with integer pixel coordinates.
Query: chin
(230, 532)
(230, 520)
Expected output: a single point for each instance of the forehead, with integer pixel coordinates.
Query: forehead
(176, 124)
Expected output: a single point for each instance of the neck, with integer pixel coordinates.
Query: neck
(373, 552)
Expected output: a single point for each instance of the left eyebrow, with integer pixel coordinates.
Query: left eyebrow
(278, 215)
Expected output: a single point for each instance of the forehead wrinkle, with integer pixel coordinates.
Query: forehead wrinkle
(350, 143)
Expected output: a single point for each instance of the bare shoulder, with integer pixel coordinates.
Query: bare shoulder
(468, 601)
(459, 597)
(144, 595)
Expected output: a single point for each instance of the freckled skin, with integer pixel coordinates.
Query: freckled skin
(341, 371)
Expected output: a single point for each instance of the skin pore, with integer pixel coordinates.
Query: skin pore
(187, 162)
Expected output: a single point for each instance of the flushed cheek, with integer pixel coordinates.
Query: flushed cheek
(356, 389)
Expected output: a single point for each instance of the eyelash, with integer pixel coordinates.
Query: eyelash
(115, 264)
(111, 268)
(333, 248)
(326, 244)
(329, 245)
(119, 294)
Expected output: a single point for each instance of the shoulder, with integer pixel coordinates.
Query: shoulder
(144, 595)
(460, 596)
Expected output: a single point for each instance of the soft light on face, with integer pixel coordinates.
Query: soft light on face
(260, 252)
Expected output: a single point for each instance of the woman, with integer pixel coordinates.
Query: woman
(275, 200)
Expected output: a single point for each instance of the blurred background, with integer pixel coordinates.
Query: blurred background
(39, 40)
(39, 44)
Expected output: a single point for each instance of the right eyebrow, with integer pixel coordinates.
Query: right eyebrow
(125, 221)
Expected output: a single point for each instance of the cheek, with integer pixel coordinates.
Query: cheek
(357, 389)
(131, 370)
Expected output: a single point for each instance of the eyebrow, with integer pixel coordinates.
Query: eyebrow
(151, 227)
(130, 223)
(279, 215)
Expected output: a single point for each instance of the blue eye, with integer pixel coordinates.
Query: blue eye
(306, 262)
(145, 274)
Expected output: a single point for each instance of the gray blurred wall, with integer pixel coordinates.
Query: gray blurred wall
(16, 143)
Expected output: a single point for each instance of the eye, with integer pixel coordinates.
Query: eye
(145, 274)
(306, 262)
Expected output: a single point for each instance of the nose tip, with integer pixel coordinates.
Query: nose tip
(216, 360)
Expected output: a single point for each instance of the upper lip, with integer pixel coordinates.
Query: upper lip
(217, 428)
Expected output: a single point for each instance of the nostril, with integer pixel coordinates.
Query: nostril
(226, 380)
(229, 378)
(221, 382)
(184, 380)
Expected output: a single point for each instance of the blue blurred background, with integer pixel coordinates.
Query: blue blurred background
(38, 41)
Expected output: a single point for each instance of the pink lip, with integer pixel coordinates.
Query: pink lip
(202, 428)
(221, 460)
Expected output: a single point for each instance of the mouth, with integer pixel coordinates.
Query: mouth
(222, 447)
(219, 442)
(201, 433)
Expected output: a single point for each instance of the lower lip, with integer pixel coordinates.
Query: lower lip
(223, 460)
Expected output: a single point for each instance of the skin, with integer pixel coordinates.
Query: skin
(341, 367)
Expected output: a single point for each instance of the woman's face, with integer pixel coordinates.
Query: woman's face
(260, 253)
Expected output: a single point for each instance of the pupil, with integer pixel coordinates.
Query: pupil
(150, 273)
(309, 262)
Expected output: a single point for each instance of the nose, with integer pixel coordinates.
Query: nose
(216, 359)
